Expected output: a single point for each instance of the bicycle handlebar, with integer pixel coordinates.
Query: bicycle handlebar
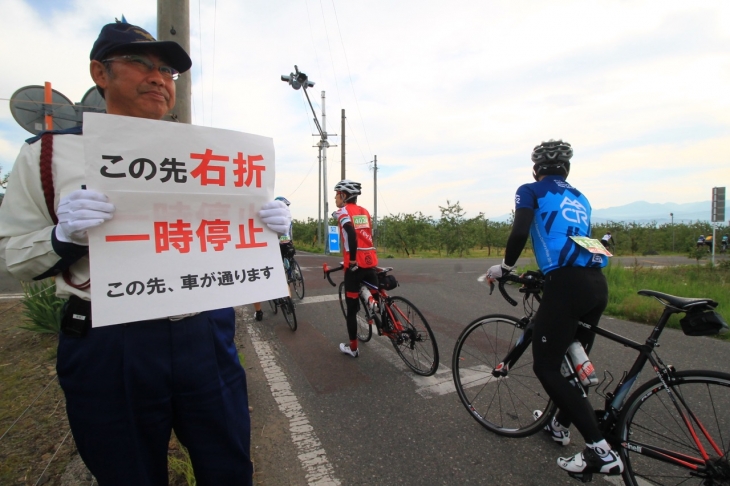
(530, 280)
(327, 270)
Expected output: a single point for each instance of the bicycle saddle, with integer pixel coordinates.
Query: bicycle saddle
(683, 303)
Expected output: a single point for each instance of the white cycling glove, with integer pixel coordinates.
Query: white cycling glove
(276, 215)
(498, 271)
(79, 211)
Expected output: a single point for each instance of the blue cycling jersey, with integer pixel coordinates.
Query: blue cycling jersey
(560, 211)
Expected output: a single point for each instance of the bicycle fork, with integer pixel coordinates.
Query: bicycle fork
(514, 354)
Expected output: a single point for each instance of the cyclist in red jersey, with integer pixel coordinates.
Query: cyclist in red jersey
(360, 258)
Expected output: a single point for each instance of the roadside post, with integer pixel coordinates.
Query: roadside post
(718, 214)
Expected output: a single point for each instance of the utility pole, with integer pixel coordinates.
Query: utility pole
(342, 153)
(173, 24)
(298, 80)
(319, 196)
(375, 196)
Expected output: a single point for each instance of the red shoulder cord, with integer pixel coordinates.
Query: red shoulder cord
(49, 194)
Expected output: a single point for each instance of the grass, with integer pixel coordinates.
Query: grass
(682, 281)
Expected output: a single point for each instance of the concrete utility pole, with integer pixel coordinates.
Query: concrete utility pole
(298, 80)
(375, 195)
(342, 153)
(325, 144)
(173, 24)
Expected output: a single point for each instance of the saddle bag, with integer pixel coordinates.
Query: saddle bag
(702, 322)
(387, 282)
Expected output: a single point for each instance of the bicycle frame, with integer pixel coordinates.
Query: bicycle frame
(615, 400)
(385, 308)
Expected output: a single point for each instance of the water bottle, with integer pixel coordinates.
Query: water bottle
(368, 297)
(286, 264)
(583, 366)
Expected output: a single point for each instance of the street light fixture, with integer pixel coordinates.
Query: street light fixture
(298, 80)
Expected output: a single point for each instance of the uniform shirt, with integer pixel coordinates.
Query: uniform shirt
(560, 211)
(27, 249)
(360, 219)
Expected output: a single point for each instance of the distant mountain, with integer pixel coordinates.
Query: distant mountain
(645, 212)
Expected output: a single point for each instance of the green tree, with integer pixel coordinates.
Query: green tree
(454, 234)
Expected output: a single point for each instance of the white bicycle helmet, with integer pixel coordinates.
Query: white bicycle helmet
(350, 187)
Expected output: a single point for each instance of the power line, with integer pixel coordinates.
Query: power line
(329, 47)
(311, 34)
(212, 83)
(352, 85)
(202, 80)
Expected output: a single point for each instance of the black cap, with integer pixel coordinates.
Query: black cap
(120, 34)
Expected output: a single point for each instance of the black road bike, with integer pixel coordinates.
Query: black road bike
(286, 304)
(673, 429)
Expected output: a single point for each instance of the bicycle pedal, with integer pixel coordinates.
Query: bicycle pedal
(582, 477)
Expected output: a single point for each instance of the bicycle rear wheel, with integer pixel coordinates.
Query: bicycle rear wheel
(655, 438)
(412, 337)
(297, 279)
(364, 328)
(503, 404)
(287, 309)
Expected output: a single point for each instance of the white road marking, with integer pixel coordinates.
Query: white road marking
(11, 296)
(317, 298)
(441, 383)
(312, 455)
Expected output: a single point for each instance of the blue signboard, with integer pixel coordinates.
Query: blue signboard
(334, 239)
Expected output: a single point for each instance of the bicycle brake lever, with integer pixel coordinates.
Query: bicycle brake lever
(491, 287)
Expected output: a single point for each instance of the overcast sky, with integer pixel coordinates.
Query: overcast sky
(450, 96)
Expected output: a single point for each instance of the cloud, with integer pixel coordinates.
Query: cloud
(450, 97)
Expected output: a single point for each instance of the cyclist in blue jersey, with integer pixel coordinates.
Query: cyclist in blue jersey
(550, 211)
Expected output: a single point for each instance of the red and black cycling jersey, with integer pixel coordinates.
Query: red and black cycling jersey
(357, 235)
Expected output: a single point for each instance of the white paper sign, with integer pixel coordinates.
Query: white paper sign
(186, 236)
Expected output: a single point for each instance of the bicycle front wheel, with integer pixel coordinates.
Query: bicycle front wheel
(504, 401)
(297, 279)
(364, 328)
(274, 306)
(657, 444)
(412, 337)
(287, 309)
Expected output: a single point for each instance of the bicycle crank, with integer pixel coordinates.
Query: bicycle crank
(582, 477)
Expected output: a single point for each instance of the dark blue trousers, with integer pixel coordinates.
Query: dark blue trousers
(127, 386)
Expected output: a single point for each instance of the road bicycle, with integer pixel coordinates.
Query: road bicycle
(673, 429)
(294, 275)
(286, 304)
(396, 318)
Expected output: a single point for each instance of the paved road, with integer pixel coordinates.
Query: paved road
(320, 415)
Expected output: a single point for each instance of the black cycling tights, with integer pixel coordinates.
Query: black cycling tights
(353, 281)
(571, 294)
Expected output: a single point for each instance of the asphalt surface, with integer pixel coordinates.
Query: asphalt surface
(322, 416)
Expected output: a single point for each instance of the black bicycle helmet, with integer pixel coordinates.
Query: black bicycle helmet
(350, 187)
(551, 158)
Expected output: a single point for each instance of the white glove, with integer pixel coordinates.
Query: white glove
(79, 211)
(276, 215)
(498, 271)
